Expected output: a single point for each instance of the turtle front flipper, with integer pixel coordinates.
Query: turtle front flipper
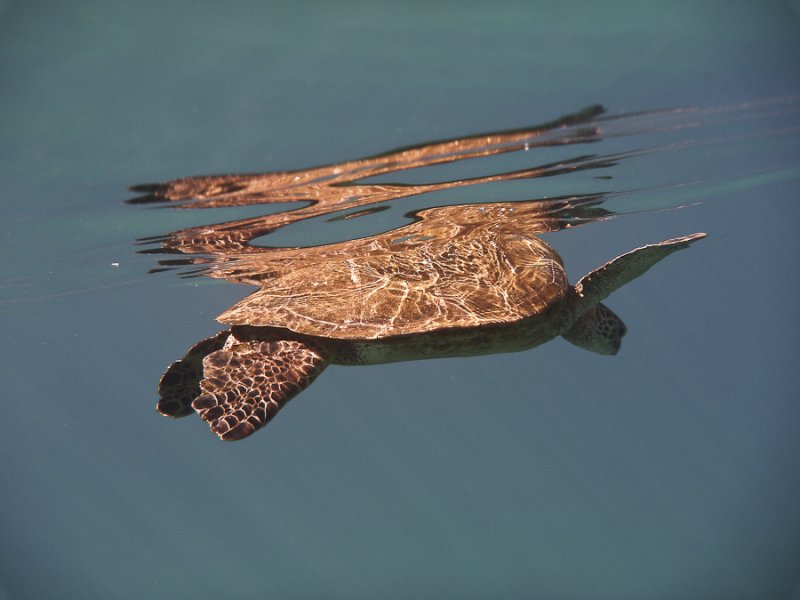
(180, 383)
(597, 285)
(246, 383)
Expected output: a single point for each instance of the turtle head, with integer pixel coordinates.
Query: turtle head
(598, 330)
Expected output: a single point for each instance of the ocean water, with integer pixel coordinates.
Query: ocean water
(671, 470)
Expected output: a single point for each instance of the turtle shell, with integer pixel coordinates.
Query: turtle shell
(431, 275)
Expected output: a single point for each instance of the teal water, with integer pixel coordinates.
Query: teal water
(668, 471)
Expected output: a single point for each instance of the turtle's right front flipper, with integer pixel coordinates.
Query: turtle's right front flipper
(246, 383)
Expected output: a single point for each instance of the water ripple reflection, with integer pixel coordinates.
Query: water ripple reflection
(349, 190)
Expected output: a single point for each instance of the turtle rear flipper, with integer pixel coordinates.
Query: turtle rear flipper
(180, 383)
(594, 287)
(598, 330)
(246, 383)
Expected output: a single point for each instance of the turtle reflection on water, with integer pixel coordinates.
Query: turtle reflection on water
(462, 280)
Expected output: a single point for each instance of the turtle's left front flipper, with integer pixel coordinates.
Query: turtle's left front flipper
(246, 383)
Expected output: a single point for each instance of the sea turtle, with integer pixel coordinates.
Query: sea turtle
(488, 288)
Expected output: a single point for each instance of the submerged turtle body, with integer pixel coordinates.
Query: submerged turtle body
(402, 297)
